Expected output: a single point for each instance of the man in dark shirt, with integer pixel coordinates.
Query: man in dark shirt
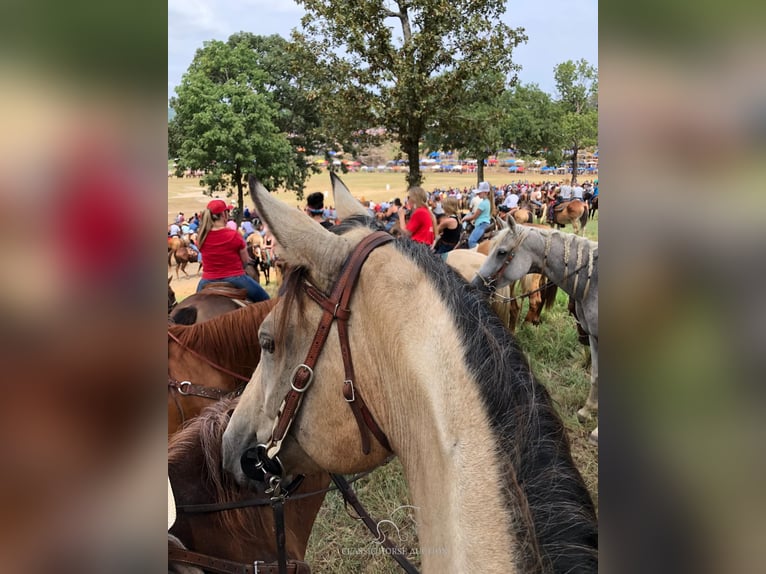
(315, 208)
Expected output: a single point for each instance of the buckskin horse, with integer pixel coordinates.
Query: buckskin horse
(236, 537)
(568, 260)
(212, 360)
(485, 455)
(574, 211)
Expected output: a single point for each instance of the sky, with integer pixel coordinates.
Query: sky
(558, 30)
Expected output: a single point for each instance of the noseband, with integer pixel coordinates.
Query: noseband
(489, 281)
(335, 307)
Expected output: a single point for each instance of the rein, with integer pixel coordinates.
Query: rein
(222, 566)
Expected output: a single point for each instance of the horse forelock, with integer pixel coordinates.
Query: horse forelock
(550, 507)
(200, 442)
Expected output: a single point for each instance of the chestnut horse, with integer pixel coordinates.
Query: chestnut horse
(241, 535)
(574, 211)
(214, 299)
(440, 383)
(219, 354)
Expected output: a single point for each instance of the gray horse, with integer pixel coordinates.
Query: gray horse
(570, 261)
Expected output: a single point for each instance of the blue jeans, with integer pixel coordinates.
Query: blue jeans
(476, 234)
(254, 290)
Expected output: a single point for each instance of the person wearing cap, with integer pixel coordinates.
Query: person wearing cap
(315, 209)
(480, 216)
(224, 252)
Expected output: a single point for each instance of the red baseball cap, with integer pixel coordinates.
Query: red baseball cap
(217, 206)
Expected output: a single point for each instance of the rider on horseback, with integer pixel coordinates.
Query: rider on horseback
(480, 216)
(225, 253)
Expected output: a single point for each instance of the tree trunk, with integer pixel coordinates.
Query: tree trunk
(480, 171)
(574, 164)
(414, 177)
(240, 196)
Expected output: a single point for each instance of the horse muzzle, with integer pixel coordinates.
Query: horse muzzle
(481, 284)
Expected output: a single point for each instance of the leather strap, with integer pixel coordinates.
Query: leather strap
(208, 361)
(350, 497)
(278, 507)
(335, 307)
(189, 388)
(222, 566)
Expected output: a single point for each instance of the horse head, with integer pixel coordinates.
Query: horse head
(508, 259)
(315, 257)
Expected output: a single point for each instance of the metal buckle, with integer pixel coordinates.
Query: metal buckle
(353, 394)
(181, 387)
(263, 454)
(295, 372)
(255, 565)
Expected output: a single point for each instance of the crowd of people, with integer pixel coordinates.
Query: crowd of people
(437, 219)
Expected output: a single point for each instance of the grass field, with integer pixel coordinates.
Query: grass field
(342, 545)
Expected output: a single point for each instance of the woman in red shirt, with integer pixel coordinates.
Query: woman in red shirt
(224, 252)
(422, 223)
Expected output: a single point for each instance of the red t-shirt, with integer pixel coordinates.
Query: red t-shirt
(220, 254)
(421, 226)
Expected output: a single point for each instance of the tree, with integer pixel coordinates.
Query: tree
(226, 122)
(533, 123)
(473, 125)
(292, 88)
(402, 84)
(577, 85)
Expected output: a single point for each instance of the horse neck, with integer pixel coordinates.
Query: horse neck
(440, 431)
(566, 254)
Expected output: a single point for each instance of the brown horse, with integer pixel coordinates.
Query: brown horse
(574, 211)
(214, 299)
(450, 393)
(185, 255)
(219, 354)
(174, 243)
(241, 535)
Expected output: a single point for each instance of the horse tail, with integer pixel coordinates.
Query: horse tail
(584, 216)
(548, 293)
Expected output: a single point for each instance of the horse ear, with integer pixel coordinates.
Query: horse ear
(345, 203)
(302, 241)
(510, 222)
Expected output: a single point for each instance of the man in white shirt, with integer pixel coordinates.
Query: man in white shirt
(577, 192)
(511, 200)
(565, 192)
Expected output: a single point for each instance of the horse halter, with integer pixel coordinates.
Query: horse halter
(335, 306)
(489, 282)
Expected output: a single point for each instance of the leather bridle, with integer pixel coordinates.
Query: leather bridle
(336, 307)
(490, 280)
(187, 388)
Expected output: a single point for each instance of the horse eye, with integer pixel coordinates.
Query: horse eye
(267, 343)
(502, 252)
